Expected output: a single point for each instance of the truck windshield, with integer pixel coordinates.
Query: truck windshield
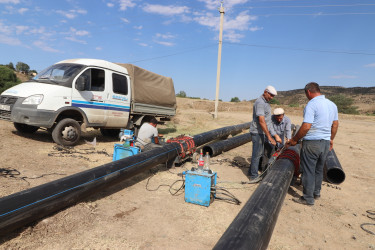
(60, 74)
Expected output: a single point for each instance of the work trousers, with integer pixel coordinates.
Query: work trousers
(258, 147)
(313, 157)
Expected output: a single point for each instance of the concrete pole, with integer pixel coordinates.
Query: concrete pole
(219, 59)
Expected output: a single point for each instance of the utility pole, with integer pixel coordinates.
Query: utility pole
(221, 10)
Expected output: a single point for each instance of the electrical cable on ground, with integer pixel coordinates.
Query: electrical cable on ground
(231, 199)
(70, 152)
(369, 212)
(166, 185)
(15, 174)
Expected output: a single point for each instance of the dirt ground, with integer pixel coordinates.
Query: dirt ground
(141, 213)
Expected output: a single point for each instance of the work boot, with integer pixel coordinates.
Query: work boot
(302, 201)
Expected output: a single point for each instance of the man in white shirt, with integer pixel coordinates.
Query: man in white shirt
(148, 133)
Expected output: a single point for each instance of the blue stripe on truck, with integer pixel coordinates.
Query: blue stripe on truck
(98, 105)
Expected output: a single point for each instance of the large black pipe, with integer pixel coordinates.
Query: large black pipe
(219, 147)
(253, 226)
(24, 207)
(333, 170)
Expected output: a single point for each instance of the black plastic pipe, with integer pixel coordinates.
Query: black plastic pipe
(219, 147)
(334, 172)
(254, 224)
(22, 208)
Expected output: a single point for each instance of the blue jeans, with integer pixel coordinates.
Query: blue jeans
(313, 157)
(258, 147)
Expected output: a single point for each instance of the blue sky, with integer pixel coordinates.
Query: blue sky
(284, 43)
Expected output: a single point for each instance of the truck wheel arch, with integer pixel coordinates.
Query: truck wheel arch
(73, 113)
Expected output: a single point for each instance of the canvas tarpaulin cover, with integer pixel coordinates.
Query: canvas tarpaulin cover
(150, 88)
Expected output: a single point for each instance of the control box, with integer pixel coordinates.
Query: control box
(200, 187)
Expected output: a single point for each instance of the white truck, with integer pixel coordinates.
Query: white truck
(72, 95)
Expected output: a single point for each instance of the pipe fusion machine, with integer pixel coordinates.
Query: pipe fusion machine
(200, 187)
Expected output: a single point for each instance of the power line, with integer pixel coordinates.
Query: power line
(303, 6)
(178, 53)
(302, 49)
(317, 14)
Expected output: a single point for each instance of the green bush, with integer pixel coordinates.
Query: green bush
(235, 99)
(7, 78)
(344, 104)
(181, 94)
(293, 105)
(275, 101)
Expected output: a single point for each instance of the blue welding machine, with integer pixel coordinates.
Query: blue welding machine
(200, 187)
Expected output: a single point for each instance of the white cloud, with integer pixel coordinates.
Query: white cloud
(343, 77)
(166, 10)
(71, 14)
(10, 1)
(40, 30)
(143, 44)
(74, 39)
(98, 48)
(138, 27)
(20, 29)
(5, 29)
(165, 36)
(110, 5)
(9, 40)
(124, 4)
(79, 32)
(22, 10)
(232, 36)
(371, 65)
(165, 43)
(255, 28)
(43, 46)
(240, 22)
(124, 20)
(208, 20)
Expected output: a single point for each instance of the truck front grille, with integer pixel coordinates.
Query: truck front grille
(10, 100)
(7, 100)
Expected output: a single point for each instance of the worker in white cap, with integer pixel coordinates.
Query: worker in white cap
(261, 129)
(282, 126)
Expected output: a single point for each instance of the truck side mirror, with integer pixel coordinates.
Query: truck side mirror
(80, 83)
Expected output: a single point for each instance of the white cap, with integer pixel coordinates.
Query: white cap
(271, 90)
(278, 111)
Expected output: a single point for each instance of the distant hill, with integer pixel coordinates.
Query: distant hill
(364, 97)
(23, 77)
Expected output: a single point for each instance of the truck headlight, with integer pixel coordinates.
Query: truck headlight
(33, 100)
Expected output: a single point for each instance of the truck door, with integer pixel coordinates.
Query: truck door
(118, 100)
(93, 98)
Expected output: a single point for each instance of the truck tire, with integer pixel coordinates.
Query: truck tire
(24, 128)
(113, 133)
(67, 132)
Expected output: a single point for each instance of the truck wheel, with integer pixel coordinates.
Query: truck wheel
(113, 133)
(67, 132)
(24, 128)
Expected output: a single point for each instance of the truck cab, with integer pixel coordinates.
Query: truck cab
(76, 93)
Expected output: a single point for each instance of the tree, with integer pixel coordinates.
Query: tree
(181, 94)
(235, 99)
(11, 66)
(344, 104)
(7, 78)
(22, 67)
